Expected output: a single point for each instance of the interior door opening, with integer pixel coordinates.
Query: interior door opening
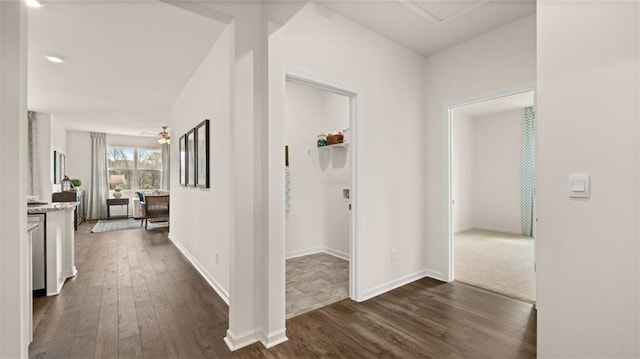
(492, 194)
(318, 196)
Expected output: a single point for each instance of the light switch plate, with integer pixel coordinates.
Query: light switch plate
(579, 185)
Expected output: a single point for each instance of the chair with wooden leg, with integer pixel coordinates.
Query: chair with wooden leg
(155, 209)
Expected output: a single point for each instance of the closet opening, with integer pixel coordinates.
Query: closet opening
(319, 191)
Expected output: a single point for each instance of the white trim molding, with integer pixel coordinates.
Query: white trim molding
(272, 339)
(306, 252)
(396, 283)
(447, 108)
(517, 231)
(336, 253)
(235, 342)
(355, 99)
(435, 275)
(203, 272)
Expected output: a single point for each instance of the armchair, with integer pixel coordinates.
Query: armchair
(155, 208)
(137, 203)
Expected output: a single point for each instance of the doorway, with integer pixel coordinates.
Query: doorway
(492, 192)
(318, 195)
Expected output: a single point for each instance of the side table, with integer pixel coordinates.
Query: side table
(117, 202)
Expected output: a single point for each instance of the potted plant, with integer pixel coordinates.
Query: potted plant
(76, 183)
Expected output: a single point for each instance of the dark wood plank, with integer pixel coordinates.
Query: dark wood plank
(151, 339)
(136, 296)
(128, 336)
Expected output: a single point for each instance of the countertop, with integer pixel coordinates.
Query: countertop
(52, 207)
(32, 226)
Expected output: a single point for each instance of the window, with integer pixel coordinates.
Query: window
(141, 167)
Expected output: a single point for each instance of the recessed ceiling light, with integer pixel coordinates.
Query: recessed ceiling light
(54, 59)
(34, 3)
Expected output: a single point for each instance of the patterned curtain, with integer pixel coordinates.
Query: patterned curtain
(166, 172)
(528, 172)
(33, 174)
(99, 190)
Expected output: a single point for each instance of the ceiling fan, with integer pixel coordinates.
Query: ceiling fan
(164, 136)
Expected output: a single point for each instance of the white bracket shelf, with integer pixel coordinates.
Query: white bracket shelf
(344, 145)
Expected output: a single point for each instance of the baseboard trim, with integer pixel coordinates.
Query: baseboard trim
(435, 275)
(396, 283)
(274, 338)
(203, 272)
(235, 342)
(337, 253)
(463, 230)
(327, 250)
(499, 230)
(304, 252)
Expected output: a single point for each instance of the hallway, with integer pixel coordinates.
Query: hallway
(135, 295)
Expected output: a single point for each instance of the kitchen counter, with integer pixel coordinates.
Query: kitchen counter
(51, 207)
(32, 227)
(59, 242)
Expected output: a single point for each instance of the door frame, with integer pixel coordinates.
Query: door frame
(448, 274)
(305, 79)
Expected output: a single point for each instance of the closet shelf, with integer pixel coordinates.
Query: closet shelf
(344, 145)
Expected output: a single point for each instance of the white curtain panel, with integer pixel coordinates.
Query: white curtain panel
(165, 167)
(33, 175)
(99, 190)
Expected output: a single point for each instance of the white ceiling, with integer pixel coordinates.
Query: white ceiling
(428, 27)
(497, 105)
(125, 62)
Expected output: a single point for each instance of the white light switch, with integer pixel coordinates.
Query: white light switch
(579, 185)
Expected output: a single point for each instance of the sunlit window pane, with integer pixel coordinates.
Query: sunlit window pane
(141, 167)
(149, 179)
(120, 157)
(149, 159)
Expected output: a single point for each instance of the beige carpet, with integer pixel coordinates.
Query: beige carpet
(499, 262)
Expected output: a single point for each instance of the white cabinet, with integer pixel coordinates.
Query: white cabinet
(37, 252)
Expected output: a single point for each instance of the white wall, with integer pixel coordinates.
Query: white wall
(495, 185)
(462, 136)
(304, 120)
(201, 218)
(390, 186)
(587, 111)
(14, 247)
(51, 137)
(318, 219)
(337, 217)
(497, 60)
(79, 157)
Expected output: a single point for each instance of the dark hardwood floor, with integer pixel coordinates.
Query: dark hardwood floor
(136, 296)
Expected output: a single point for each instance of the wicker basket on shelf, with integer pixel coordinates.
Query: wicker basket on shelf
(334, 139)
